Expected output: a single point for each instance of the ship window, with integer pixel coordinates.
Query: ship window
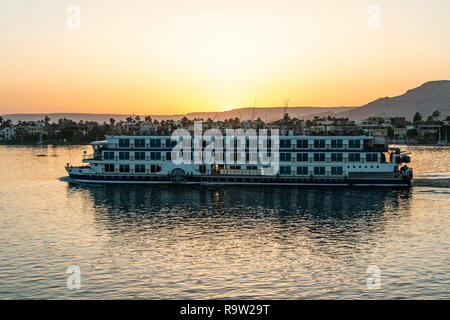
(285, 143)
(302, 144)
(319, 156)
(124, 143)
(168, 155)
(319, 171)
(124, 168)
(155, 143)
(371, 157)
(336, 171)
(354, 144)
(155, 155)
(319, 144)
(354, 157)
(285, 156)
(336, 157)
(109, 168)
(139, 143)
(108, 155)
(124, 155)
(336, 143)
(139, 168)
(170, 143)
(302, 156)
(139, 155)
(302, 170)
(285, 170)
(155, 168)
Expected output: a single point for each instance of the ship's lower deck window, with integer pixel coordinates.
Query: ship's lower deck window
(335, 171)
(124, 168)
(354, 157)
(285, 170)
(109, 168)
(319, 171)
(371, 157)
(155, 168)
(140, 168)
(302, 170)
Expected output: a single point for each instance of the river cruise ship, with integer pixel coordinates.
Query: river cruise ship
(301, 161)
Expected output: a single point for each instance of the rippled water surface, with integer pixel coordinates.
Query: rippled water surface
(210, 242)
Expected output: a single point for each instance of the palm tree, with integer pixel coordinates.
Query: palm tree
(417, 117)
(148, 119)
(112, 122)
(129, 119)
(436, 114)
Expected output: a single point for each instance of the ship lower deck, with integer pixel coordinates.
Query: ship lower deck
(247, 180)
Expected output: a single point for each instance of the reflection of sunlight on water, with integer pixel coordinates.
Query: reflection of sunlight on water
(207, 242)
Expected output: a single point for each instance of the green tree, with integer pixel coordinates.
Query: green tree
(436, 114)
(417, 117)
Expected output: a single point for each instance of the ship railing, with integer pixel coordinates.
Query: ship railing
(241, 172)
(91, 157)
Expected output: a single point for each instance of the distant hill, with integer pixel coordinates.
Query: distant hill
(430, 96)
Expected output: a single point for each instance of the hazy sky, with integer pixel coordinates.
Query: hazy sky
(177, 56)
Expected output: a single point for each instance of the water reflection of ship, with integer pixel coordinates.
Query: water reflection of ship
(344, 209)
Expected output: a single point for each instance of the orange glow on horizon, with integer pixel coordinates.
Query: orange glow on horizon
(167, 58)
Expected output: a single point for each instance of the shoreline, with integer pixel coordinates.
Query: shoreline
(31, 144)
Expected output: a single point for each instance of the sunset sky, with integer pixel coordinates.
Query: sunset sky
(178, 56)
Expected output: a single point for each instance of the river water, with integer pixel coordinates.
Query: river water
(179, 242)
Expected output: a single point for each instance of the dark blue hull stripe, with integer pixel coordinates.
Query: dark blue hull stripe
(238, 180)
